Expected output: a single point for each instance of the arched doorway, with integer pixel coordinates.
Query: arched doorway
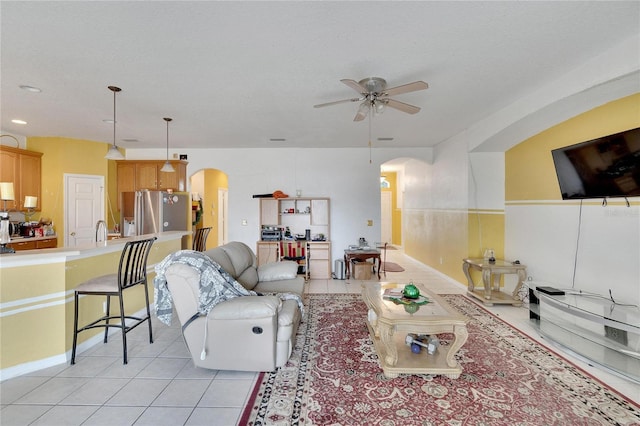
(209, 191)
(391, 198)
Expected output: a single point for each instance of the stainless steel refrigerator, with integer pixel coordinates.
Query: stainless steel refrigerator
(151, 212)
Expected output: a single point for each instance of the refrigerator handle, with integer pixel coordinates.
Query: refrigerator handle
(138, 213)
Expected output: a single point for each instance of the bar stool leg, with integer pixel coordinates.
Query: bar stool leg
(124, 330)
(108, 310)
(146, 293)
(75, 328)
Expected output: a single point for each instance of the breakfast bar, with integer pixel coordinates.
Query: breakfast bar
(36, 298)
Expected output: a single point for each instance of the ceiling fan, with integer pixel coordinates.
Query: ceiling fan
(375, 96)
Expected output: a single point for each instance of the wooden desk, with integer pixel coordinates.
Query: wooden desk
(491, 274)
(361, 255)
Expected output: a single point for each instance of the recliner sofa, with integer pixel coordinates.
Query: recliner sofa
(248, 333)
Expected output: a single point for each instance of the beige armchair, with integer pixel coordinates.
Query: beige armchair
(249, 333)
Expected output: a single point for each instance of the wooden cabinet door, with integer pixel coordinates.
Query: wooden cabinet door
(269, 214)
(267, 252)
(30, 179)
(319, 261)
(147, 176)
(126, 179)
(48, 243)
(319, 212)
(172, 180)
(9, 172)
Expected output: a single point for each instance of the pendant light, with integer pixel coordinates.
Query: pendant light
(167, 165)
(114, 153)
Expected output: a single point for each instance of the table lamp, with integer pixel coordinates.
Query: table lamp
(6, 194)
(30, 203)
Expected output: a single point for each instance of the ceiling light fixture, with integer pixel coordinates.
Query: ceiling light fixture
(114, 153)
(167, 165)
(17, 121)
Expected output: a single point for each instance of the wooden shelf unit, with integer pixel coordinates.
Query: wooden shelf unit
(298, 214)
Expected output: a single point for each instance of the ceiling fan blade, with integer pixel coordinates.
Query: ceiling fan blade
(354, 85)
(406, 88)
(409, 109)
(338, 102)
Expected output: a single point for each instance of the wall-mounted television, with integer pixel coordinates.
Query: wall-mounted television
(605, 167)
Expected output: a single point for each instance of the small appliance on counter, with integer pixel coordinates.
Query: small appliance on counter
(271, 233)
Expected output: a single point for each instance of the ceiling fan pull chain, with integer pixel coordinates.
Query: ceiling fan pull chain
(370, 116)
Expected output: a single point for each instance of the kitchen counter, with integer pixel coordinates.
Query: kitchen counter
(36, 298)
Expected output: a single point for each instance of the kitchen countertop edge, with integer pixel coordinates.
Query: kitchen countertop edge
(54, 255)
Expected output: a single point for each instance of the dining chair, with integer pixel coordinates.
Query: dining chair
(132, 272)
(200, 239)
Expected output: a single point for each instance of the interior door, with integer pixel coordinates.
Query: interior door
(84, 207)
(385, 216)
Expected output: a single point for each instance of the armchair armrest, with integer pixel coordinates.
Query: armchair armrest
(246, 307)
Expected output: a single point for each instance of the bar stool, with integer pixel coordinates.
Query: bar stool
(200, 239)
(132, 271)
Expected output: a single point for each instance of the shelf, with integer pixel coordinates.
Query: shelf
(593, 327)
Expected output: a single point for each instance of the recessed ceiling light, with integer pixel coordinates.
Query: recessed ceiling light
(385, 139)
(19, 121)
(277, 140)
(30, 88)
(108, 120)
(129, 140)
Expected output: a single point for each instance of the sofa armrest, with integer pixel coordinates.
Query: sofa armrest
(246, 307)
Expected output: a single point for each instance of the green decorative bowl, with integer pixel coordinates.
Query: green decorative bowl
(411, 291)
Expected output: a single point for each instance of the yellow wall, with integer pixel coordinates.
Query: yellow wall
(531, 162)
(38, 302)
(75, 156)
(396, 213)
(214, 181)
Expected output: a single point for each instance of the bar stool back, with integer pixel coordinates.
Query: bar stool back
(200, 239)
(132, 271)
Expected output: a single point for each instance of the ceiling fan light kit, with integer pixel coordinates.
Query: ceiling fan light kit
(376, 96)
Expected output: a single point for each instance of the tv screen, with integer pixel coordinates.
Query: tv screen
(603, 167)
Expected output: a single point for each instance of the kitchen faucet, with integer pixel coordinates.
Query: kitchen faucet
(101, 231)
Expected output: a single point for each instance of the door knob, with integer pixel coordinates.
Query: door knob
(73, 234)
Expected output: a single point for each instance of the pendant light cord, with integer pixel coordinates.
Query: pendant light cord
(370, 118)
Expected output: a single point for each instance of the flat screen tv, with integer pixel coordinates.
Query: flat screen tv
(605, 167)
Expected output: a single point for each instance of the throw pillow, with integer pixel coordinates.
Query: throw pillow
(275, 271)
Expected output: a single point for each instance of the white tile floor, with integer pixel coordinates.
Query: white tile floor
(160, 386)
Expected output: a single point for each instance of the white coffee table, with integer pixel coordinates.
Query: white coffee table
(389, 323)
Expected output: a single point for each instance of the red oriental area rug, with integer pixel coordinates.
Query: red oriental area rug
(333, 378)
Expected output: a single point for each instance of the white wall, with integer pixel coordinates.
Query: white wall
(605, 248)
(343, 175)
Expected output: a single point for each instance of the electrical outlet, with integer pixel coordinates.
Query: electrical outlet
(441, 261)
(369, 222)
(104, 307)
(244, 222)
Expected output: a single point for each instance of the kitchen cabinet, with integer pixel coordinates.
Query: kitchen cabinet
(24, 169)
(134, 175)
(33, 244)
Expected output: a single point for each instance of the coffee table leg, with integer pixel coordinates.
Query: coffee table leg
(460, 335)
(386, 337)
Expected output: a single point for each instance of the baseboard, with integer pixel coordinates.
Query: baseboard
(52, 361)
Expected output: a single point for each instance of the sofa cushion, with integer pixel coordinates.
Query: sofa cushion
(238, 260)
(295, 285)
(274, 271)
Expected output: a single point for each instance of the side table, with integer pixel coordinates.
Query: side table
(491, 273)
